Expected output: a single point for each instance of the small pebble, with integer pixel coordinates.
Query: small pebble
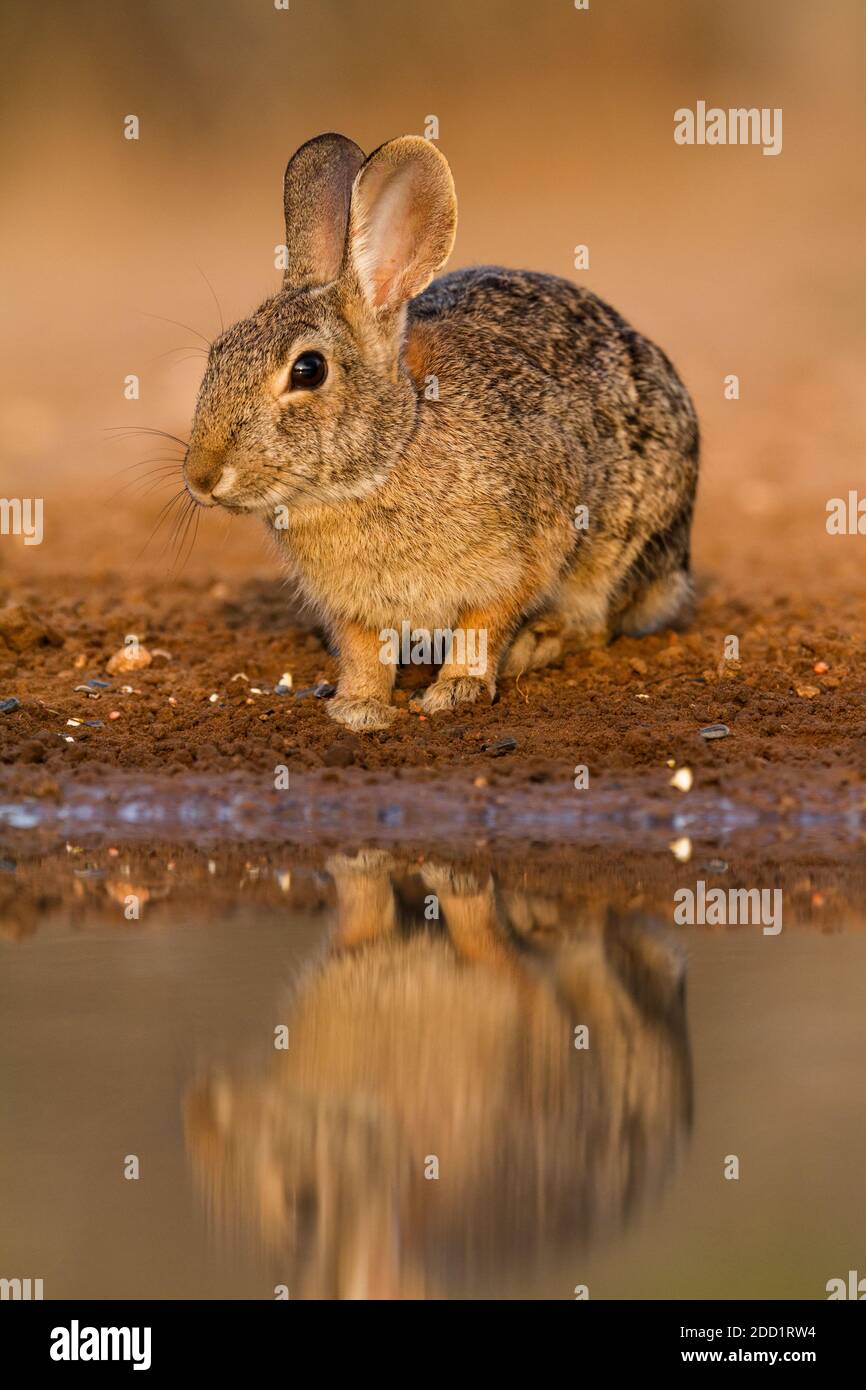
(820, 668)
(115, 714)
(682, 779)
(715, 731)
(500, 747)
(131, 658)
(213, 699)
(807, 692)
(10, 705)
(681, 849)
(325, 691)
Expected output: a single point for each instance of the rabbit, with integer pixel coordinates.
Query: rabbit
(496, 452)
(453, 1038)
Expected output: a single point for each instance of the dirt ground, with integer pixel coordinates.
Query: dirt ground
(794, 703)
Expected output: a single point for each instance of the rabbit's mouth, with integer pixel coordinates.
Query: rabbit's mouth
(211, 482)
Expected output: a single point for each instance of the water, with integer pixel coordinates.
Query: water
(143, 986)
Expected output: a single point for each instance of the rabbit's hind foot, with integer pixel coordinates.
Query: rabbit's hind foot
(666, 602)
(537, 644)
(445, 694)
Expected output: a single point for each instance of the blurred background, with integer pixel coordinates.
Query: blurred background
(558, 124)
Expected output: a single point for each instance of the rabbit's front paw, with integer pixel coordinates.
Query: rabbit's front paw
(361, 715)
(455, 690)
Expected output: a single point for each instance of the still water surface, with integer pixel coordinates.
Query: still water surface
(420, 1045)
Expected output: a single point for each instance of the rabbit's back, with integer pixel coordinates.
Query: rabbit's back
(540, 349)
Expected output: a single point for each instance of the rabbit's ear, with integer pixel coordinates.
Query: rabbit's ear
(402, 222)
(317, 191)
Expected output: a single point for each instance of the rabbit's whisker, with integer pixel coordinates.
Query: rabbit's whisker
(215, 300)
(164, 513)
(127, 431)
(142, 487)
(177, 324)
(187, 347)
(165, 461)
(187, 539)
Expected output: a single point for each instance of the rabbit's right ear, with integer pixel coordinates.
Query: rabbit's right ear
(402, 222)
(317, 191)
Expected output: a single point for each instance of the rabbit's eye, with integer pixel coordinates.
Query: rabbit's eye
(308, 371)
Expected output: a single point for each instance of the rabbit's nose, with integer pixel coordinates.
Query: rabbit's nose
(202, 471)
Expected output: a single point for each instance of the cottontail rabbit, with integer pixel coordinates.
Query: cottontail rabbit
(496, 457)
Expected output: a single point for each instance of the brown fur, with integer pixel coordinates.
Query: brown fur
(456, 510)
(452, 1038)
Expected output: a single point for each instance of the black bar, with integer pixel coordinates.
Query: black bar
(239, 1337)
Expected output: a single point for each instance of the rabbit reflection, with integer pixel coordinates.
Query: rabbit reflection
(453, 1040)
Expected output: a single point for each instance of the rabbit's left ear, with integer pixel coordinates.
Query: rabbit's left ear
(316, 192)
(402, 221)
